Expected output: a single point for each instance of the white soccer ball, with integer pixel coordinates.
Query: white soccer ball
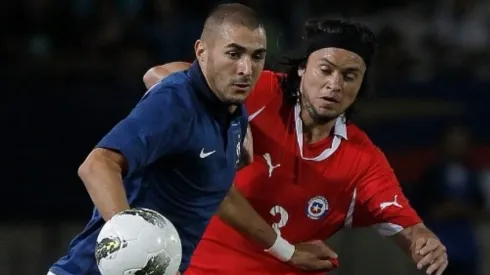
(138, 241)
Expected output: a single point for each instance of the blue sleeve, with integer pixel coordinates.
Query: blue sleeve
(156, 127)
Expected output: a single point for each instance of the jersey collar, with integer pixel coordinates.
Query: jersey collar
(340, 128)
(340, 133)
(205, 93)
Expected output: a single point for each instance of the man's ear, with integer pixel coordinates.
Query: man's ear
(200, 49)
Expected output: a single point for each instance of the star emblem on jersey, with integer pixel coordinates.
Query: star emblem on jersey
(204, 155)
(268, 160)
(317, 207)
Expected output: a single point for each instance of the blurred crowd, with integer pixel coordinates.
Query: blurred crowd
(418, 39)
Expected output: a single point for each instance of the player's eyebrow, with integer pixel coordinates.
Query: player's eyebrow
(352, 68)
(261, 50)
(236, 46)
(241, 48)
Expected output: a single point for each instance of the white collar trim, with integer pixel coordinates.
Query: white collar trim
(340, 132)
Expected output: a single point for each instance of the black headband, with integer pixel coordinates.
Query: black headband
(347, 42)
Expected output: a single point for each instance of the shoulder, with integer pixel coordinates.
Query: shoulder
(364, 147)
(266, 90)
(358, 138)
(269, 81)
(175, 92)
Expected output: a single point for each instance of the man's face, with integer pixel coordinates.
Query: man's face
(330, 82)
(233, 61)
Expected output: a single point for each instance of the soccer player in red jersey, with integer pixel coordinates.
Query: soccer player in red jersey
(314, 172)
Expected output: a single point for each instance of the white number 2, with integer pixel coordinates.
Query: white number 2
(283, 218)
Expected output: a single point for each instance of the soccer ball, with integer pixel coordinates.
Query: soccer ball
(138, 242)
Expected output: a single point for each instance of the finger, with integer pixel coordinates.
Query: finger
(429, 246)
(324, 265)
(427, 259)
(438, 263)
(419, 244)
(325, 250)
(335, 262)
(430, 258)
(443, 267)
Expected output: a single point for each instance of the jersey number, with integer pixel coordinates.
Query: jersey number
(283, 218)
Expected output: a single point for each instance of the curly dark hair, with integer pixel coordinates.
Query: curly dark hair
(314, 28)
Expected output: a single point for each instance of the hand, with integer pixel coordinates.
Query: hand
(429, 251)
(314, 256)
(248, 150)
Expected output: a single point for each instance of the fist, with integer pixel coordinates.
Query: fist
(314, 256)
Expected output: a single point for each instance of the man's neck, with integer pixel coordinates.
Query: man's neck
(213, 89)
(313, 131)
(232, 108)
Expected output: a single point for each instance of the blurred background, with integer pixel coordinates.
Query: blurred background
(71, 69)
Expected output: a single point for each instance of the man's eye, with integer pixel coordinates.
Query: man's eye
(233, 55)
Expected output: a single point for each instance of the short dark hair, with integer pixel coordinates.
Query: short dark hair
(313, 28)
(235, 13)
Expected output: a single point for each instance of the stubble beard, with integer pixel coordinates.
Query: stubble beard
(315, 116)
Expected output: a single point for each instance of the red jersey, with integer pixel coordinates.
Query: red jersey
(305, 191)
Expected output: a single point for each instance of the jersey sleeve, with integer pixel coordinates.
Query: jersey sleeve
(379, 200)
(156, 127)
(266, 89)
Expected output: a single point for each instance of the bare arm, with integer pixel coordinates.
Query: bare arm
(406, 238)
(155, 74)
(423, 246)
(237, 212)
(382, 204)
(101, 173)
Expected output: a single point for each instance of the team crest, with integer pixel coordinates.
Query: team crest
(238, 149)
(317, 207)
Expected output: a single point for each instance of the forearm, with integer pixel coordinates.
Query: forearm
(424, 248)
(237, 212)
(407, 238)
(103, 180)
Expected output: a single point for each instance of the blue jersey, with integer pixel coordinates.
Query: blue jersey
(182, 146)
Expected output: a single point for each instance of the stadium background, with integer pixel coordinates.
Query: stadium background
(71, 69)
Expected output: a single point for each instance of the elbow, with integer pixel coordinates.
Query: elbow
(87, 168)
(157, 73)
(100, 160)
(224, 207)
(153, 75)
(227, 206)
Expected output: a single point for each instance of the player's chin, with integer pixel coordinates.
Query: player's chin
(327, 113)
(237, 97)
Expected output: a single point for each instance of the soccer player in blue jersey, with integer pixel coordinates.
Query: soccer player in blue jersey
(177, 151)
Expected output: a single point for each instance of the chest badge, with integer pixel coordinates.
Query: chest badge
(317, 207)
(238, 150)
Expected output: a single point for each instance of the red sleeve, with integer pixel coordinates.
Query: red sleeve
(379, 200)
(266, 90)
